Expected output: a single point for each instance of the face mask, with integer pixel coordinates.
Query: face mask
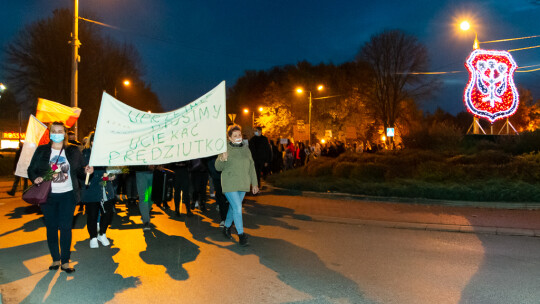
(238, 141)
(257, 133)
(57, 138)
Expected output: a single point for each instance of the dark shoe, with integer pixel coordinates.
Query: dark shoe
(227, 232)
(68, 269)
(146, 227)
(176, 213)
(242, 239)
(54, 267)
(203, 208)
(13, 194)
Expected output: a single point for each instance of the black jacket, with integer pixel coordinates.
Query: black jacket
(93, 192)
(39, 165)
(261, 151)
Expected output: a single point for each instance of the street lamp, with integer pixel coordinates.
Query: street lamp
(465, 26)
(2, 87)
(246, 110)
(126, 83)
(300, 91)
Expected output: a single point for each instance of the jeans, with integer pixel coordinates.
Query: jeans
(144, 188)
(235, 210)
(93, 210)
(58, 214)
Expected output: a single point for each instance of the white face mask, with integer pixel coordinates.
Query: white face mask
(257, 133)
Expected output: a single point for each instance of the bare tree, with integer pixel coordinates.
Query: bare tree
(393, 57)
(38, 65)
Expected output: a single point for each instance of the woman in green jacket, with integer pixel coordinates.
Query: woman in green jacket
(238, 174)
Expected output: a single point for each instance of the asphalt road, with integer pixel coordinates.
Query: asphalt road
(292, 258)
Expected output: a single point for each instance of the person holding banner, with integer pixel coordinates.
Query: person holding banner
(238, 174)
(63, 163)
(98, 195)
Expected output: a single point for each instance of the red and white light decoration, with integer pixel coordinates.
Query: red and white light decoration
(491, 92)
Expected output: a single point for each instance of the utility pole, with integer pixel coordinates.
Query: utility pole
(75, 43)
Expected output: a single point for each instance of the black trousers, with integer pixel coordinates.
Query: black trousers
(259, 168)
(221, 200)
(58, 215)
(181, 187)
(199, 181)
(93, 210)
(16, 182)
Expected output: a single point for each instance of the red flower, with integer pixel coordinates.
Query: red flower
(105, 178)
(54, 167)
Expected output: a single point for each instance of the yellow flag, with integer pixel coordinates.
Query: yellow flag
(50, 111)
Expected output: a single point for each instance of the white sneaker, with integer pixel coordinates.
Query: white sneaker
(94, 243)
(222, 224)
(103, 239)
(196, 204)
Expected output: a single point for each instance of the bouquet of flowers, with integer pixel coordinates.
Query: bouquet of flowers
(54, 170)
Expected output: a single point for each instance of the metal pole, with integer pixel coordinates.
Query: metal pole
(75, 59)
(309, 120)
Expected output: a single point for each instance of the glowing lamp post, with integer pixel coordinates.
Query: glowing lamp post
(246, 111)
(300, 91)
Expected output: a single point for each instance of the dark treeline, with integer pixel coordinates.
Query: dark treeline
(38, 64)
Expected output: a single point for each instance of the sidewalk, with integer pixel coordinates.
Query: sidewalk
(468, 217)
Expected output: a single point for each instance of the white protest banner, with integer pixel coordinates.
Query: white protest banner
(126, 136)
(34, 132)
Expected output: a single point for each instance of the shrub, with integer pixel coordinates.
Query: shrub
(369, 172)
(343, 169)
(320, 167)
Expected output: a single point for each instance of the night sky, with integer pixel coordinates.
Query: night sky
(188, 47)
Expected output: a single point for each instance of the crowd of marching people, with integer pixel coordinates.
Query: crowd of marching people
(64, 163)
(229, 176)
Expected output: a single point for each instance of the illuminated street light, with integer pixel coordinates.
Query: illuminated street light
(300, 91)
(2, 87)
(246, 110)
(126, 83)
(465, 26)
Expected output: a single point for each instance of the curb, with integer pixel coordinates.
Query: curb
(407, 200)
(414, 226)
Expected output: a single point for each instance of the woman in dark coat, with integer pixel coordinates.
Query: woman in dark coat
(67, 162)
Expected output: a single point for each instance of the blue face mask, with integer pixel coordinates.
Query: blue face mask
(57, 138)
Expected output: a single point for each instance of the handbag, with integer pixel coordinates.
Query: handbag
(37, 194)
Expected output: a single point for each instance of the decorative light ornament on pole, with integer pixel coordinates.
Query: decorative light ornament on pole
(491, 92)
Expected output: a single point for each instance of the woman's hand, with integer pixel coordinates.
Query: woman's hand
(89, 170)
(223, 156)
(38, 180)
(255, 190)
